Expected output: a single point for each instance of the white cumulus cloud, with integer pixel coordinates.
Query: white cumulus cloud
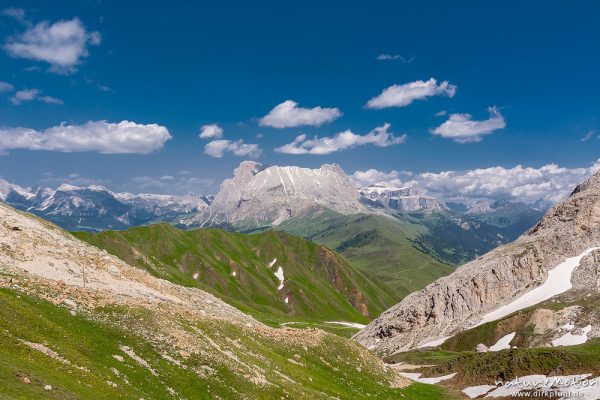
(289, 115)
(27, 95)
(6, 87)
(545, 185)
(212, 131)
(463, 129)
(218, 148)
(23, 96)
(344, 140)
(97, 136)
(403, 95)
(63, 44)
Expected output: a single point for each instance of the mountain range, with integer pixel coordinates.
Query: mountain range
(212, 308)
(95, 208)
(556, 258)
(78, 322)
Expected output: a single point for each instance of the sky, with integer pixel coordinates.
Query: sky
(494, 98)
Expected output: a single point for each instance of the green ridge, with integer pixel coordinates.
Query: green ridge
(319, 284)
(381, 247)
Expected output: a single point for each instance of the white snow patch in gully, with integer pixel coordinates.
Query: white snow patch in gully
(567, 327)
(413, 376)
(195, 276)
(287, 299)
(476, 391)
(348, 324)
(503, 343)
(434, 343)
(234, 273)
(558, 281)
(272, 262)
(568, 339)
(279, 275)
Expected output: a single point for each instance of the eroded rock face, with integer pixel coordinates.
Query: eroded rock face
(258, 195)
(458, 301)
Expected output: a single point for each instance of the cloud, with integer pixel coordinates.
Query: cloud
(536, 186)
(6, 87)
(341, 141)
(463, 129)
(16, 13)
(441, 113)
(390, 57)
(97, 136)
(72, 179)
(289, 115)
(182, 185)
(403, 95)
(51, 100)
(23, 96)
(588, 136)
(371, 176)
(212, 131)
(218, 148)
(63, 44)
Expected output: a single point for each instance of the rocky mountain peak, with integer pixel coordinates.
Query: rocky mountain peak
(247, 169)
(259, 195)
(460, 301)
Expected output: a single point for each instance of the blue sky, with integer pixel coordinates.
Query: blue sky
(526, 72)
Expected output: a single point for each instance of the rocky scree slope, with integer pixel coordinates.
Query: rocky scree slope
(73, 313)
(460, 300)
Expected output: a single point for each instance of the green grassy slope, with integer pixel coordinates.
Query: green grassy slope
(319, 284)
(88, 360)
(380, 247)
(457, 353)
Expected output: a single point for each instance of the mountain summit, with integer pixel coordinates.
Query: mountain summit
(558, 255)
(259, 195)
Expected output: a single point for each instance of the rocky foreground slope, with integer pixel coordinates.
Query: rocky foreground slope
(502, 280)
(77, 322)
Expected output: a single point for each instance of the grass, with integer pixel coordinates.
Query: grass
(334, 368)
(319, 284)
(382, 248)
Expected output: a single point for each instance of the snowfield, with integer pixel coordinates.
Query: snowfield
(569, 339)
(414, 376)
(503, 343)
(558, 281)
(279, 275)
(348, 324)
(434, 343)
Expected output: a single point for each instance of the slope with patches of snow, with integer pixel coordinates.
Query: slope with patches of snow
(558, 281)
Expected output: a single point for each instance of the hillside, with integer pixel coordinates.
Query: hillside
(79, 323)
(266, 274)
(555, 258)
(381, 247)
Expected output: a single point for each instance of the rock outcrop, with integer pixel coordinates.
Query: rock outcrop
(406, 199)
(460, 300)
(259, 196)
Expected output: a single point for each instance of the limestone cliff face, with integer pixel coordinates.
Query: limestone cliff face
(258, 195)
(458, 301)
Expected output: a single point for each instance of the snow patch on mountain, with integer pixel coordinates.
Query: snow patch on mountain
(558, 281)
(279, 275)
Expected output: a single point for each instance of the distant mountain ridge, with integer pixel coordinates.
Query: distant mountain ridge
(95, 208)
